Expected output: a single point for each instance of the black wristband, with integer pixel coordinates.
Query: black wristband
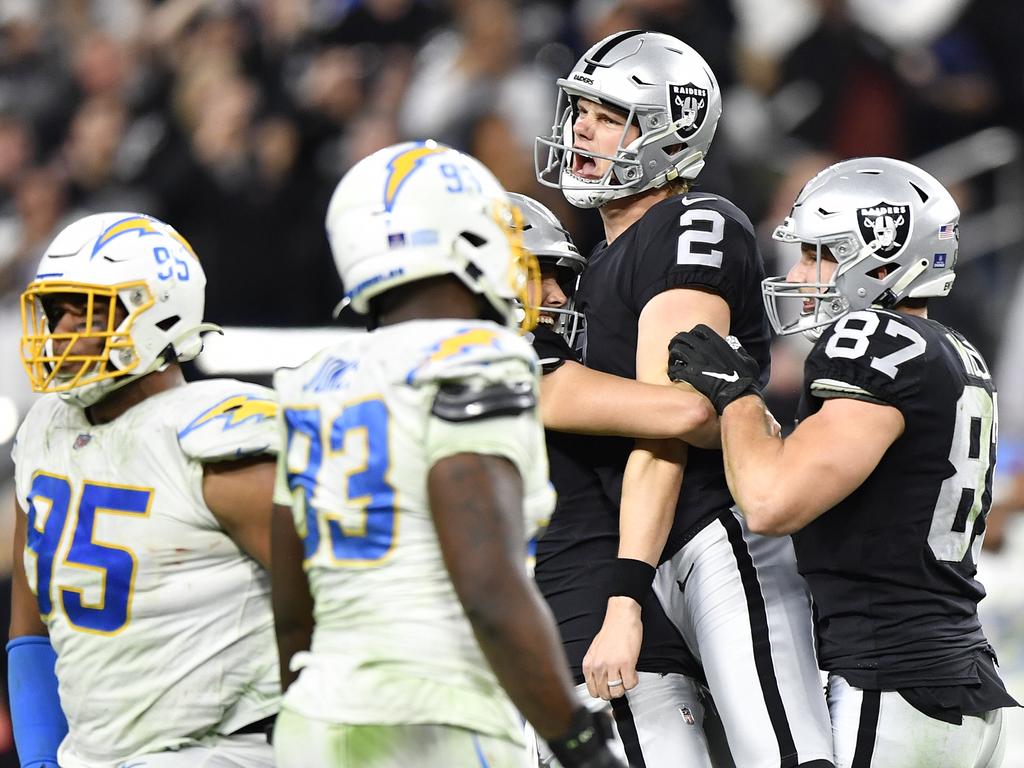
(630, 578)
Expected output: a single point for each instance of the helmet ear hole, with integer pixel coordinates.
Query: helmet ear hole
(168, 322)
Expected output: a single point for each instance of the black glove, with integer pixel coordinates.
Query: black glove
(585, 744)
(720, 369)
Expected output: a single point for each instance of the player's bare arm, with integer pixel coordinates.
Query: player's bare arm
(476, 504)
(578, 399)
(38, 720)
(650, 488)
(289, 592)
(783, 484)
(238, 494)
(24, 609)
(779, 484)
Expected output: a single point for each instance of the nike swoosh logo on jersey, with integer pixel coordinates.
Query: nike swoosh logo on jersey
(691, 201)
(723, 376)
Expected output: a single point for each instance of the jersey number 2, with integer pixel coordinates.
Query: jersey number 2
(701, 228)
(49, 503)
(357, 442)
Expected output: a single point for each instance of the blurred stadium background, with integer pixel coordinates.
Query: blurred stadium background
(233, 119)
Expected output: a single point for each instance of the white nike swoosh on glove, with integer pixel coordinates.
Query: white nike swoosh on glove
(723, 376)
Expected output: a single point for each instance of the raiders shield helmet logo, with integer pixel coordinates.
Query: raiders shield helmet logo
(885, 227)
(688, 105)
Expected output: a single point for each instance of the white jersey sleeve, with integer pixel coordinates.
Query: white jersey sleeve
(485, 398)
(223, 420)
(282, 493)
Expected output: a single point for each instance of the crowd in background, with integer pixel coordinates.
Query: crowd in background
(234, 119)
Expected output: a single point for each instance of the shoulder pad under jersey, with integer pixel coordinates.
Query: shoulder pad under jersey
(224, 419)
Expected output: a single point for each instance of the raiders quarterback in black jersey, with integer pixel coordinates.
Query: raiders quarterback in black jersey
(635, 119)
(887, 478)
(662, 728)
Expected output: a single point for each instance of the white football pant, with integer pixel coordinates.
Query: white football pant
(879, 729)
(745, 613)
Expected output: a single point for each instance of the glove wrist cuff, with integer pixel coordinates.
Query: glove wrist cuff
(728, 397)
(585, 739)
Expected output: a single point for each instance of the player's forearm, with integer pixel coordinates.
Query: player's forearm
(25, 618)
(704, 431)
(650, 492)
(581, 400)
(517, 635)
(476, 504)
(754, 466)
(290, 598)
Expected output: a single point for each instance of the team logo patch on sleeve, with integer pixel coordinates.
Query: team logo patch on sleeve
(462, 344)
(688, 105)
(235, 410)
(885, 227)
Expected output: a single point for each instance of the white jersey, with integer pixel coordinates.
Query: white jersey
(161, 624)
(392, 644)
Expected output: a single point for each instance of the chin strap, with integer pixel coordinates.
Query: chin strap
(912, 273)
(202, 328)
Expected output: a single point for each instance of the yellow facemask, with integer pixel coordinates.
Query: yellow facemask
(524, 269)
(59, 362)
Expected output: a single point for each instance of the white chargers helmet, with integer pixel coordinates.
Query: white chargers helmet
(126, 265)
(664, 87)
(868, 214)
(421, 209)
(546, 238)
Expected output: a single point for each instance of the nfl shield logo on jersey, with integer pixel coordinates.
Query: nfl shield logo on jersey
(688, 105)
(81, 441)
(885, 226)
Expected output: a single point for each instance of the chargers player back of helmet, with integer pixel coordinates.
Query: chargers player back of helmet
(401, 234)
(143, 521)
(892, 229)
(414, 473)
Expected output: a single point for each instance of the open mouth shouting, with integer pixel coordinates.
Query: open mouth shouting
(584, 168)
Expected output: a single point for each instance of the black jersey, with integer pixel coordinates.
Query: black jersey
(892, 567)
(576, 550)
(701, 241)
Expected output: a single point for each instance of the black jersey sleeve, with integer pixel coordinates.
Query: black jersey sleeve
(869, 355)
(551, 348)
(696, 241)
